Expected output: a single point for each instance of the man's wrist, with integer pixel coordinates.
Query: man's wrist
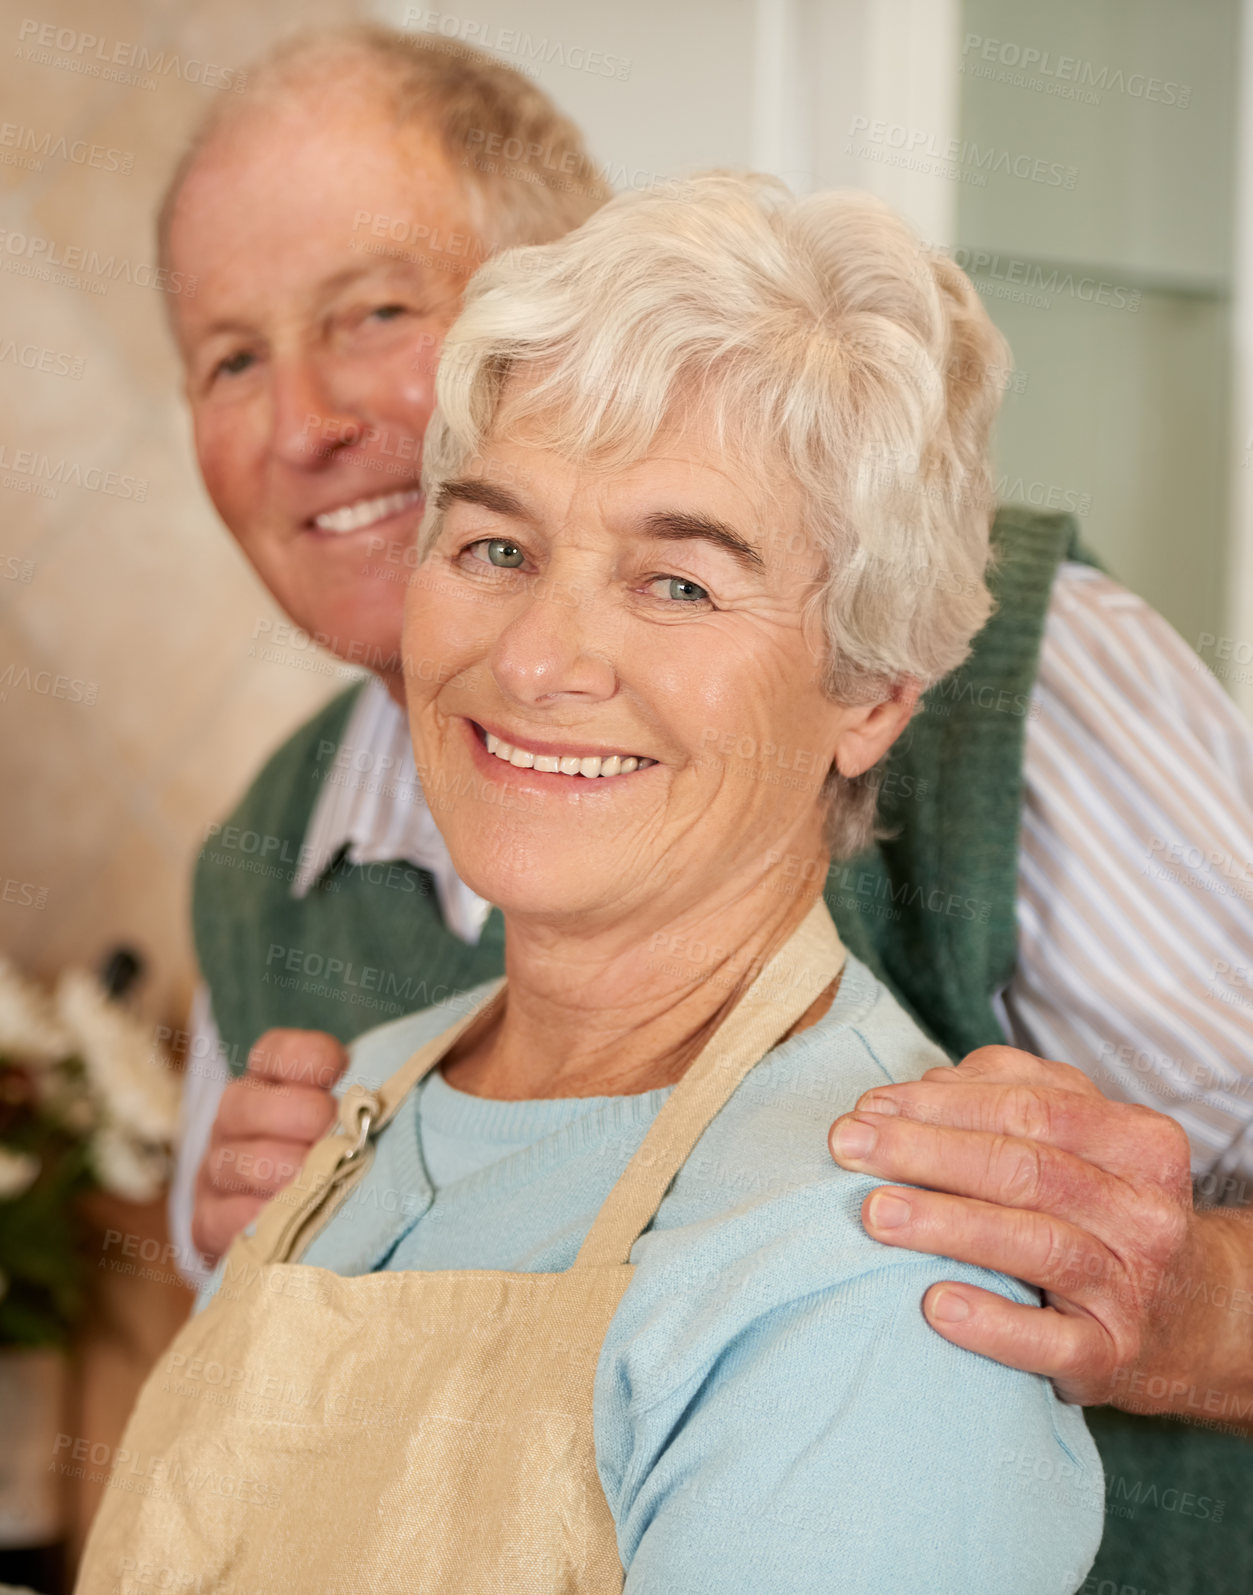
(1200, 1364)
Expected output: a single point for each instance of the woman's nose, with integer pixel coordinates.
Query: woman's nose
(311, 421)
(556, 647)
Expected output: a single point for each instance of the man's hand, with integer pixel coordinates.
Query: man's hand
(1031, 1171)
(266, 1123)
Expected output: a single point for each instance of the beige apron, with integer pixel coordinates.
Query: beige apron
(427, 1433)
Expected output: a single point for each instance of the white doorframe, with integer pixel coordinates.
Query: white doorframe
(830, 73)
(1237, 668)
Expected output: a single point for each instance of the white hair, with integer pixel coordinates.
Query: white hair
(817, 337)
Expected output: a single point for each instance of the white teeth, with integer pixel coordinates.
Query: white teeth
(352, 517)
(569, 764)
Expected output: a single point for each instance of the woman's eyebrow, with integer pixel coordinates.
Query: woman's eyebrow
(473, 490)
(674, 526)
(677, 526)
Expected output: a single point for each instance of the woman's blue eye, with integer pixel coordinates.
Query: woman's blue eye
(500, 551)
(683, 591)
(388, 312)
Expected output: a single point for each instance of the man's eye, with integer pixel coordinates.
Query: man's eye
(234, 364)
(497, 551)
(678, 589)
(388, 312)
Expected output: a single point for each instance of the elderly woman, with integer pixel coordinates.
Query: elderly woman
(574, 1298)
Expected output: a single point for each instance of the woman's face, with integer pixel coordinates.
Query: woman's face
(651, 615)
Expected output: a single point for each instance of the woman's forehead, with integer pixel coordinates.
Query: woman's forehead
(533, 457)
(693, 440)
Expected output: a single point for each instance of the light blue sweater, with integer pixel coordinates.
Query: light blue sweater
(773, 1415)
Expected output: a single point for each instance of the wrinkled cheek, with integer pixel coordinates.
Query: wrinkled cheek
(235, 482)
(440, 644)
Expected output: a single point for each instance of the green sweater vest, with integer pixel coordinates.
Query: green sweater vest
(931, 910)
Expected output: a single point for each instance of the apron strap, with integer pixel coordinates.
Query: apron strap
(804, 967)
(337, 1161)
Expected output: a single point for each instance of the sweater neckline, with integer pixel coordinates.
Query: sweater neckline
(460, 1115)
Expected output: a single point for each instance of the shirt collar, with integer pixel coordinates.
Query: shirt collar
(371, 806)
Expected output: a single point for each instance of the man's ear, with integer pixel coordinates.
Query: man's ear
(874, 727)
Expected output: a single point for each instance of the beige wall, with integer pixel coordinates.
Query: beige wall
(135, 595)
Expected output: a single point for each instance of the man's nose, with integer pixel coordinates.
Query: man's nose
(556, 645)
(311, 422)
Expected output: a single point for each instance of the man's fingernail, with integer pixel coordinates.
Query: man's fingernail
(949, 1308)
(854, 1139)
(886, 1211)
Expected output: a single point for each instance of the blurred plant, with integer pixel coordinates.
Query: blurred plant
(87, 1102)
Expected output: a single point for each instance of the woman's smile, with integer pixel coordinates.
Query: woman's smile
(528, 757)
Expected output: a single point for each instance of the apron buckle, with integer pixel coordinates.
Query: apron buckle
(358, 1112)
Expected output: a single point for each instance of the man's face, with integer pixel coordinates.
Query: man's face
(310, 359)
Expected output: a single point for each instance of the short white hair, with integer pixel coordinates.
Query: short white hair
(817, 337)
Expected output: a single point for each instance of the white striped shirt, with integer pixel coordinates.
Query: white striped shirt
(372, 802)
(1135, 875)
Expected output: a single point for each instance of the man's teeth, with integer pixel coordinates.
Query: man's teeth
(550, 764)
(366, 511)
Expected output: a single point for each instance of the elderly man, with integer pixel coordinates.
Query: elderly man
(331, 216)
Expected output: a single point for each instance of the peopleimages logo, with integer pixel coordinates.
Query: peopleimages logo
(117, 61)
(961, 158)
(31, 255)
(34, 146)
(514, 42)
(1067, 76)
(29, 472)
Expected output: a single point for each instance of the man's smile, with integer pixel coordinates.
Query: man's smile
(361, 513)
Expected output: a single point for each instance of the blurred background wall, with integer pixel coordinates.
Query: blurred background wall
(1079, 160)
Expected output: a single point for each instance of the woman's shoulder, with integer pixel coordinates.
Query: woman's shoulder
(762, 1213)
(779, 1117)
(760, 1307)
(867, 1025)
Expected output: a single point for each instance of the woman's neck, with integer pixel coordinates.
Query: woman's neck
(613, 1014)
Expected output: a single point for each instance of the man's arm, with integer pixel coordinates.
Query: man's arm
(1135, 917)
(1031, 1171)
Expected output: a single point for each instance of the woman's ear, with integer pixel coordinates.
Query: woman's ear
(872, 728)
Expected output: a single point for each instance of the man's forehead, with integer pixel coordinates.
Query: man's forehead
(292, 166)
(278, 214)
